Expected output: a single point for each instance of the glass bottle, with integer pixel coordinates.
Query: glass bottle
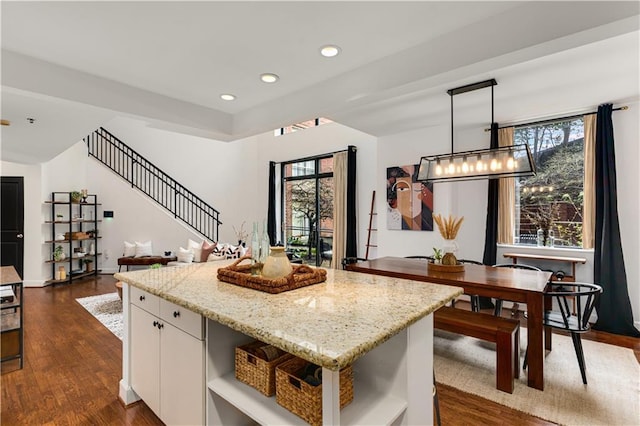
(265, 243)
(255, 249)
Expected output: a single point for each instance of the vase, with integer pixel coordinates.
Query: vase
(550, 238)
(450, 249)
(541, 237)
(277, 264)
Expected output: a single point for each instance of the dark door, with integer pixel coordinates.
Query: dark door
(12, 223)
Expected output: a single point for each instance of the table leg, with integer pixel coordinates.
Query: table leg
(535, 306)
(547, 330)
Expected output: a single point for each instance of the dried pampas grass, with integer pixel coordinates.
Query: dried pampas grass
(448, 227)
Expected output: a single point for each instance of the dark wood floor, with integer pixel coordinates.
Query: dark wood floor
(73, 366)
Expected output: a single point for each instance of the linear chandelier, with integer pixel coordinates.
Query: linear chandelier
(491, 163)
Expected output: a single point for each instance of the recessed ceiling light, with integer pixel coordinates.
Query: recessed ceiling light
(269, 77)
(228, 97)
(329, 51)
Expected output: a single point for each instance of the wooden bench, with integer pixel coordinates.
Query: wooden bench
(504, 332)
(142, 261)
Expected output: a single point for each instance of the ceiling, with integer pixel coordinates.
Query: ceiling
(74, 65)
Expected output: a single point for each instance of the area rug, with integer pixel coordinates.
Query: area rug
(611, 397)
(107, 308)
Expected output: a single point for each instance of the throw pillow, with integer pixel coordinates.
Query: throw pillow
(196, 247)
(185, 255)
(207, 249)
(143, 249)
(129, 249)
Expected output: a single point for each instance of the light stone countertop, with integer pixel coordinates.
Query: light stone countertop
(330, 324)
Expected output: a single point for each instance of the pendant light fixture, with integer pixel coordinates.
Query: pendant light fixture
(506, 161)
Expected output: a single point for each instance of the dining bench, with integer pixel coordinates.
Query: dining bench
(504, 332)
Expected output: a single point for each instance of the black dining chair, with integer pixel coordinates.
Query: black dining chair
(498, 309)
(474, 298)
(585, 296)
(349, 260)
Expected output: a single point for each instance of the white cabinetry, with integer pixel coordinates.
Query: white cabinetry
(168, 358)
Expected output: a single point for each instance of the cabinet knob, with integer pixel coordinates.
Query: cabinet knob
(142, 298)
(176, 314)
(160, 325)
(155, 323)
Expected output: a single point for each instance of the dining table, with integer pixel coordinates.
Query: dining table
(517, 285)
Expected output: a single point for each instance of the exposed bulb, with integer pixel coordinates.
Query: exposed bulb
(438, 170)
(465, 167)
(510, 163)
(494, 165)
(452, 168)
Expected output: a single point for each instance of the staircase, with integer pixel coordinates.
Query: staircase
(149, 179)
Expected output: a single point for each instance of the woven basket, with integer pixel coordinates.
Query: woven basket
(300, 276)
(303, 399)
(253, 369)
(77, 235)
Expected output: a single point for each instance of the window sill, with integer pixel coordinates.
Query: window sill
(536, 249)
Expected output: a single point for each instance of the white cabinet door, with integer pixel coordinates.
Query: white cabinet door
(145, 357)
(182, 377)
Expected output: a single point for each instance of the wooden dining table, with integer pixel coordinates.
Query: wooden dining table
(516, 285)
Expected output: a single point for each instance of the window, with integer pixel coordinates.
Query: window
(301, 126)
(308, 208)
(553, 198)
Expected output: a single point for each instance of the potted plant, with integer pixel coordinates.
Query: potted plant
(58, 254)
(76, 196)
(88, 264)
(437, 255)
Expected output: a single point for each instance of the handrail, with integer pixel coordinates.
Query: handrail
(153, 182)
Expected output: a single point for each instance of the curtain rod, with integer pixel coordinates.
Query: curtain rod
(300, 160)
(551, 120)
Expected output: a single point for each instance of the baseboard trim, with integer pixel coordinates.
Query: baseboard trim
(127, 395)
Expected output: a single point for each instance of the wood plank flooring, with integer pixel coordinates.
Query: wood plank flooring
(73, 366)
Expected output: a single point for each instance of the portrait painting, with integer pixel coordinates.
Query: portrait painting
(409, 202)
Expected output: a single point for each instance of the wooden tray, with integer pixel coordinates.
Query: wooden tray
(301, 276)
(445, 268)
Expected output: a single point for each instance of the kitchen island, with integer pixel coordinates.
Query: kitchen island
(381, 325)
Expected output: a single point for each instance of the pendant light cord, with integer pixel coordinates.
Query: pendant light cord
(451, 95)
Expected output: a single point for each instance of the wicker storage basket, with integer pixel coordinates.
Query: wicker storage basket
(303, 399)
(254, 369)
(300, 276)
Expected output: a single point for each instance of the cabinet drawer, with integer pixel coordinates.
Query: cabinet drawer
(182, 318)
(144, 300)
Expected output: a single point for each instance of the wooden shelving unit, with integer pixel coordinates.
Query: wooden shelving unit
(11, 320)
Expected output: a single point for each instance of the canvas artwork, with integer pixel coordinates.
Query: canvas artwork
(409, 202)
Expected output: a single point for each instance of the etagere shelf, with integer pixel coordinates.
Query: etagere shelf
(74, 227)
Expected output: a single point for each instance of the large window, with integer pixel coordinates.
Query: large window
(308, 208)
(553, 198)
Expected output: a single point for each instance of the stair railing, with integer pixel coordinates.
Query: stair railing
(149, 179)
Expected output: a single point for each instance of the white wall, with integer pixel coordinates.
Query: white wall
(34, 268)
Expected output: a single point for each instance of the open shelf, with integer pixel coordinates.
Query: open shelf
(68, 241)
(369, 406)
(75, 277)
